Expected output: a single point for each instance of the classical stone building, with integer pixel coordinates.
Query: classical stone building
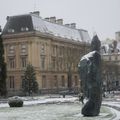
(52, 48)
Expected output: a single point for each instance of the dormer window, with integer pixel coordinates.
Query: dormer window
(24, 29)
(11, 30)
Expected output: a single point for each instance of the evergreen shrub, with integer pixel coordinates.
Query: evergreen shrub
(15, 102)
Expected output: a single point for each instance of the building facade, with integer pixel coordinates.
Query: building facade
(111, 64)
(117, 36)
(111, 71)
(52, 48)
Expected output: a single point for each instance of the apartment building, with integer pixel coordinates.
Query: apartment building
(54, 50)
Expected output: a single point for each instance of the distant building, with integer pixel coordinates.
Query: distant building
(52, 48)
(111, 71)
(111, 63)
(117, 36)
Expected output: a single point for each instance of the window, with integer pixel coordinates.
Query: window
(61, 51)
(43, 49)
(60, 63)
(55, 81)
(117, 83)
(11, 30)
(23, 49)
(43, 62)
(11, 82)
(44, 82)
(11, 49)
(54, 50)
(53, 63)
(24, 29)
(23, 61)
(23, 55)
(11, 62)
(22, 81)
(76, 81)
(63, 81)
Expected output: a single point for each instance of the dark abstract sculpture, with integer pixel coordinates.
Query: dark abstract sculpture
(90, 75)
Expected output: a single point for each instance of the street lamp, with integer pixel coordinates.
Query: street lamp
(69, 77)
(104, 88)
(0, 29)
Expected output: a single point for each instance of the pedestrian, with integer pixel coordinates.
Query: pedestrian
(81, 98)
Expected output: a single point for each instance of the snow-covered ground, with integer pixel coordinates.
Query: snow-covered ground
(43, 100)
(42, 108)
(61, 111)
(113, 102)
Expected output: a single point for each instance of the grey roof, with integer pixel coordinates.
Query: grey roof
(31, 22)
(17, 22)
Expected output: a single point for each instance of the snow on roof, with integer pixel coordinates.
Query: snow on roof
(59, 30)
(63, 31)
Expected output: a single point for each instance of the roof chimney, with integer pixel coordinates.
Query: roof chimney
(73, 25)
(0, 29)
(47, 19)
(7, 18)
(53, 19)
(59, 21)
(36, 13)
(68, 25)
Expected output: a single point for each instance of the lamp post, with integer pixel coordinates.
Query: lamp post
(69, 77)
(104, 88)
(0, 29)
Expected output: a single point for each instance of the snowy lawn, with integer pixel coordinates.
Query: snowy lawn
(54, 107)
(59, 111)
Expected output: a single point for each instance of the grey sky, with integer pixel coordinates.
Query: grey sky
(101, 16)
